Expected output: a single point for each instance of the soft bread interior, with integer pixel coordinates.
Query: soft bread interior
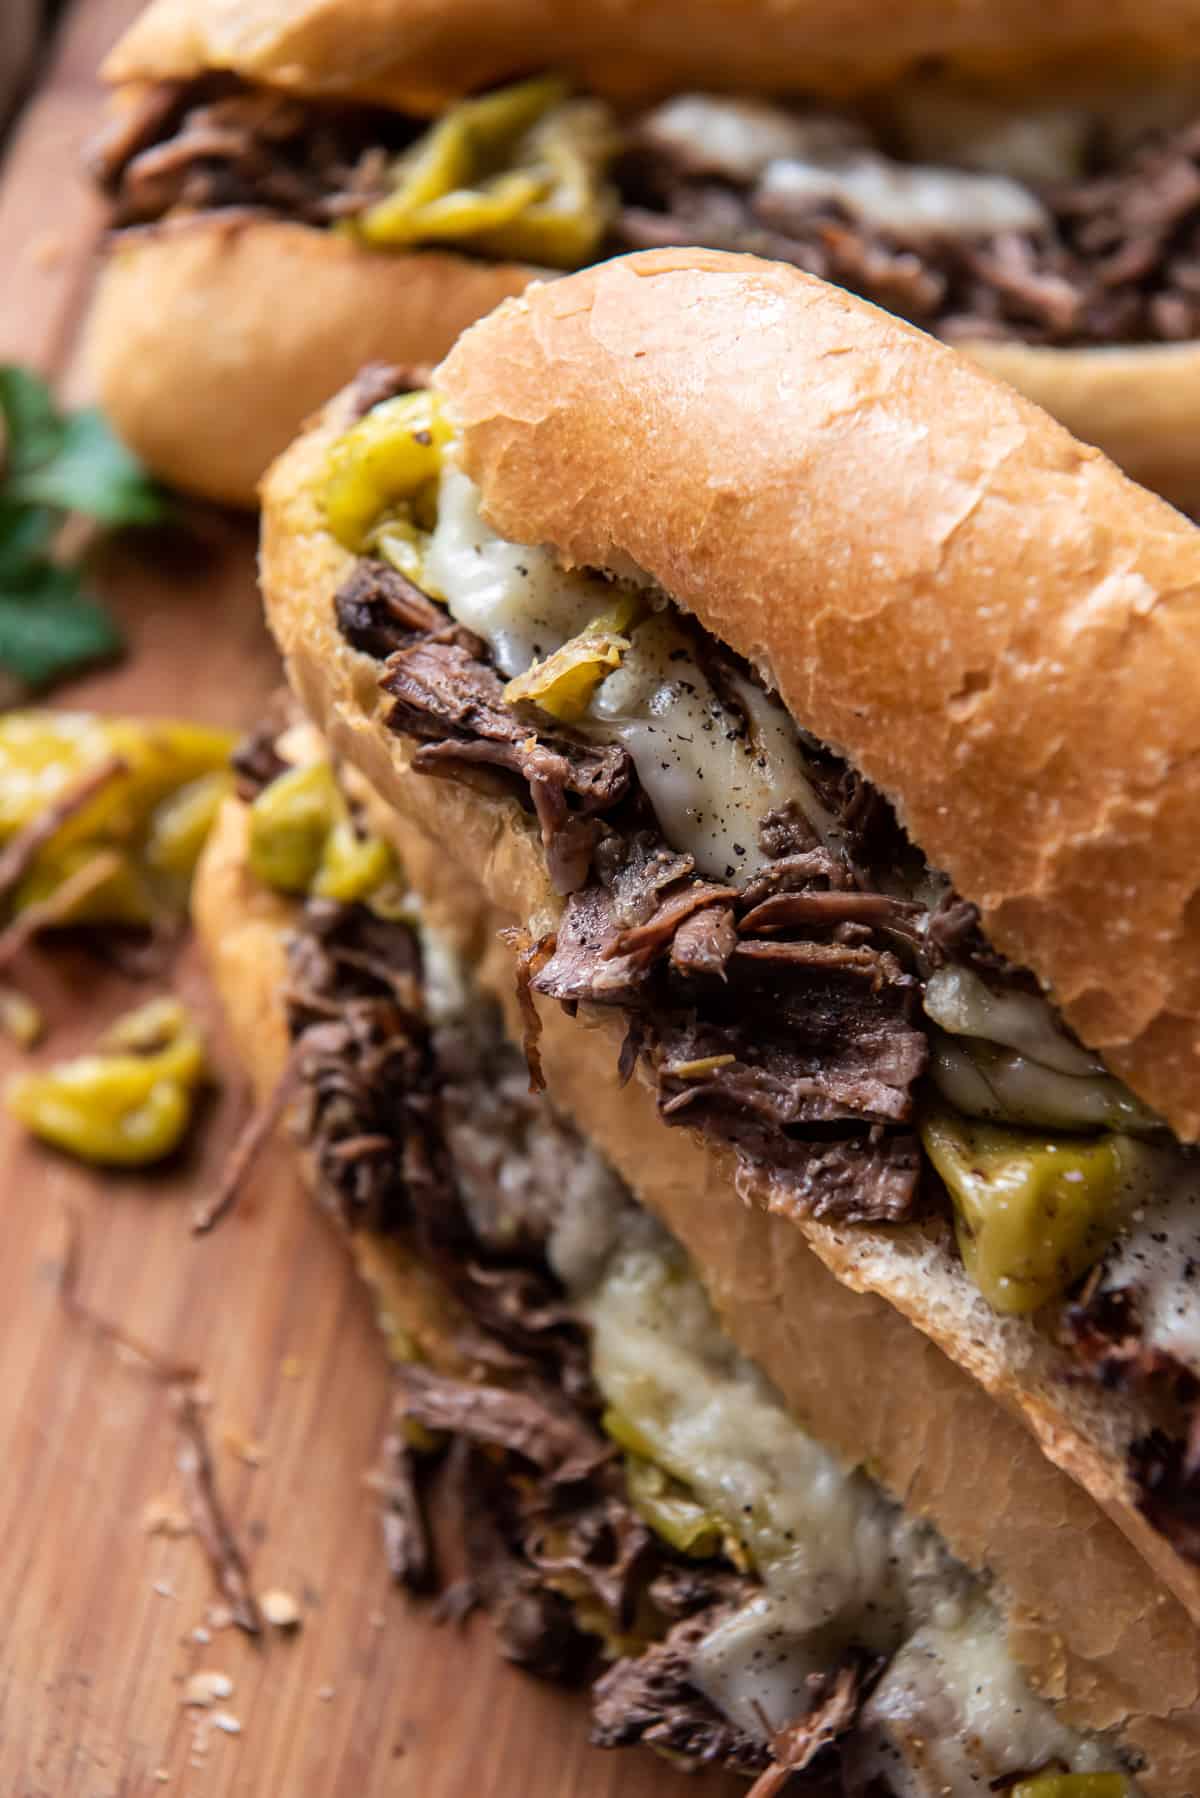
(1080, 1429)
(1088, 1623)
(211, 340)
(422, 52)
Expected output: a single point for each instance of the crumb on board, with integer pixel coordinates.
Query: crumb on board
(204, 1688)
(162, 1517)
(291, 1367)
(164, 1588)
(280, 1608)
(227, 1723)
(325, 1693)
(252, 1453)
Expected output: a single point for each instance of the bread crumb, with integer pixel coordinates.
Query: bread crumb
(205, 1687)
(161, 1775)
(376, 1619)
(325, 1693)
(291, 1367)
(164, 1588)
(219, 1616)
(162, 1518)
(252, 1453)
(228, 1724)
(201, 1635)
(280, 1608)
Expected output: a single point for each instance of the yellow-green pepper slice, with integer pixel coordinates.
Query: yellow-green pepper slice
(564, 683)
(384, 462)
(1033, 1212)
(1073, 1785)
(289, 823)
(43, 755)
(126, 1104)
(671, 1512)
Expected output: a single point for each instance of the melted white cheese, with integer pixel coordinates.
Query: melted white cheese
(958, 1000)
(709, 771)
(739, 138)
(952, 1713)
(911, 202)
(516, 598)
(839, 1563)
(1160, 1261)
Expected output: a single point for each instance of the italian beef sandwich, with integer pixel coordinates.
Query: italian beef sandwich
(300, 186)
(766, 1523)
(823, 720)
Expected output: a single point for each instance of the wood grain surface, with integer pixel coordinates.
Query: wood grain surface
(369, 1697)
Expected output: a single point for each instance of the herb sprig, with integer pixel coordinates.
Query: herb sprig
(54, 463)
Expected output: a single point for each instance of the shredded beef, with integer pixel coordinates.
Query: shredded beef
(256, 762)
(216, 144)
(1119, 260)
(454, 703)
(1103, 1331)
(1166, 1476)
(429, 1136)
(379, 611)
(550, 1436)
(704, 942)
(650, 1698)
(787, 988)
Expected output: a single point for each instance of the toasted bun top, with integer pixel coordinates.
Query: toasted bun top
(419, 53)
(981, 613)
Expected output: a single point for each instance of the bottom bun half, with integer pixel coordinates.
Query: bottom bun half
(1087, 1620)
(211, 340)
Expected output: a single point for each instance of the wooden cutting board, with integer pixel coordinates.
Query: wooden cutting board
(96, 1613)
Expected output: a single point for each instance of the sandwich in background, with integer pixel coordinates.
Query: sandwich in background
(299, 189)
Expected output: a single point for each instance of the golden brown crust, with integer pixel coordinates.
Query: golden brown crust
(493, 842)
(988, 619)
(1137, 402)
(422, 52)
(212, 340)
(1085, 1619)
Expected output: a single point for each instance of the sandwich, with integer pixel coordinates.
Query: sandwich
(765, 1522)
(295, 192)
(822, 720)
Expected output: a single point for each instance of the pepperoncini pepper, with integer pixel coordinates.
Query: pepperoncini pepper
(303, 841)
(1033, 1212)
(390, 459)
(137, 816)
(519, 172)
(130, 1101)
(671, 1513)
(563, 684)
(1072, 1785)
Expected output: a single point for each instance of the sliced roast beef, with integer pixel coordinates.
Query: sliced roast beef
(650, 1698)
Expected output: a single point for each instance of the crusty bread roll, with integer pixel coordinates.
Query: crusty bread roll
(941, 582)
(280, 315)
(1088, 1623)
(213, 338)
(421, 53)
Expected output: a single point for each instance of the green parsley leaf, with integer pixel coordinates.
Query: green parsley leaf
(56, 463)
(33, 427)
(48, 626)
(91, 472)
